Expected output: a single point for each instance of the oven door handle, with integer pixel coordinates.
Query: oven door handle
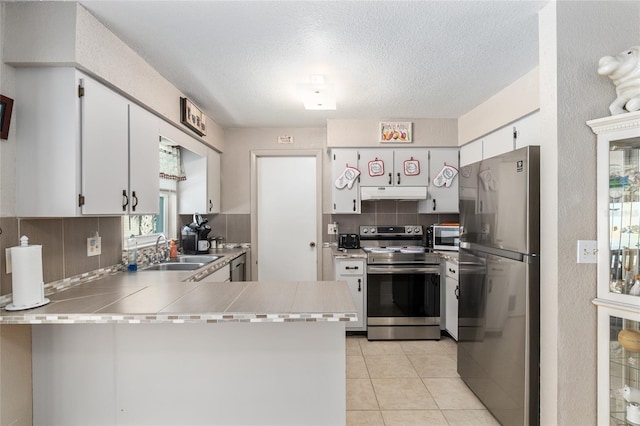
(403, 270)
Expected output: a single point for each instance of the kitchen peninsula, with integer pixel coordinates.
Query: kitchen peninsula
(155, 348)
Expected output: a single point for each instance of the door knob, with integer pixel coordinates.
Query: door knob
(312, 244)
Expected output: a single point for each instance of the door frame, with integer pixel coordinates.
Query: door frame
(255, 155)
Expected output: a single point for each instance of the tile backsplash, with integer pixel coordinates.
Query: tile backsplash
(234, 228)
(64, 240)
(64, 245)
(383, 212)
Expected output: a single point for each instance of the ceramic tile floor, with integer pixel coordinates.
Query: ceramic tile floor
(408, 383)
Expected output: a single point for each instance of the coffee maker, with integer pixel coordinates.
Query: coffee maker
(194, 236)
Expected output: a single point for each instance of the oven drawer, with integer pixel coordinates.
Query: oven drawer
(350, 267)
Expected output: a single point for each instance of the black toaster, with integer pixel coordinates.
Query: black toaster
(349, 241)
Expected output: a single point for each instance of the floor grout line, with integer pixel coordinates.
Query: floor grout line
(407, 352)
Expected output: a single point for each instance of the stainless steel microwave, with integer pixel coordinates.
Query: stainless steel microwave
(443, 237)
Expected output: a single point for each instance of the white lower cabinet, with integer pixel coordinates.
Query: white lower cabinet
(452, 292)
(353, 272)
(222, 275)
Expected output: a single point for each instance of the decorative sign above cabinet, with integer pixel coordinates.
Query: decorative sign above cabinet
(395, 132)
(6, 106)
(192, 117)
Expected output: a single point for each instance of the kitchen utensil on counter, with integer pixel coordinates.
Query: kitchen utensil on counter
(348, 241)
(203, 246)
(189, 240)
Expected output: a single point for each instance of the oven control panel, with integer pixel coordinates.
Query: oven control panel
(391, 231)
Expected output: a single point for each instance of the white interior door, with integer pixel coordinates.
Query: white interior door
(286, 218)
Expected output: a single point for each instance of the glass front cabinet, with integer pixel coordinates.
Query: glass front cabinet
(618, 294)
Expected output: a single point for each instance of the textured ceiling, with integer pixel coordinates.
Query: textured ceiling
(241, 61)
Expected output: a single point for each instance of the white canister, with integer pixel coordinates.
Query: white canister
(633, 413)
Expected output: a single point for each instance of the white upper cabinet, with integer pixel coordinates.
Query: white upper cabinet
(394, 167)
(144, 161)
(73, 151)
(411, 167)
(345, 190)
(200, 193)
(105, 141)
(522, 132)
(213, 182)
(471, 153)
(376, 167)
(120, 164)
(442, 195)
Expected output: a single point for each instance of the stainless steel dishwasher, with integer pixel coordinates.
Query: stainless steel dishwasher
(238, 268)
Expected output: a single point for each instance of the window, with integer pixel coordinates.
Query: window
(148, 227)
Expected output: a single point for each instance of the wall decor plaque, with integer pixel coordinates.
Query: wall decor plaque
(192, 117)
(6, 107)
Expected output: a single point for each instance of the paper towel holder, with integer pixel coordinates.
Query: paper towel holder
(31, 293)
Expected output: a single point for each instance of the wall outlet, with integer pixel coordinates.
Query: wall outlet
(587, 251)
(332, 229)
(94, 246)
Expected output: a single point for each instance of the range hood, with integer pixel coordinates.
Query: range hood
(393, 193)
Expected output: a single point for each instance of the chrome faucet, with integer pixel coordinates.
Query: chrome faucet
(164, 255)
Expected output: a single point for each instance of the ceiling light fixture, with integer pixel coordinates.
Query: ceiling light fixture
(317, 95)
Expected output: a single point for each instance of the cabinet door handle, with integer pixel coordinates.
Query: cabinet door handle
(457, 292)
(390, 179)
(352, 267)
(135, 200)
(398, 178)
(125, 200)
(359, 284)
(312, 244)
(434, 204)
(354, 205)
(210, 205)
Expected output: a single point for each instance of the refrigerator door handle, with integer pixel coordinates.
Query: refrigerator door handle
(513, 255)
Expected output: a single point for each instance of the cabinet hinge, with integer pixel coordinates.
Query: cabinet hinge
(80, 200)
(80, 91)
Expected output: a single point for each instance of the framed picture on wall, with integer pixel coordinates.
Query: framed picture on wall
(395, 132)
(192, 117)
(6, 107)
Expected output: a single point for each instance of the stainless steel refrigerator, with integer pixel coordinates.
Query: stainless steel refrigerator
(499, 293)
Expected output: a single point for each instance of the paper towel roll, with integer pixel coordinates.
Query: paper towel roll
(27, 283)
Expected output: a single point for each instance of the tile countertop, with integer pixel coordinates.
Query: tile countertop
(175, 297)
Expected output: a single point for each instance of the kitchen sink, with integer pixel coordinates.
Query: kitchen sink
(174, 266)
(194, 258)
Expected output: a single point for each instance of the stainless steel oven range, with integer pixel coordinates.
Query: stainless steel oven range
(403, 284)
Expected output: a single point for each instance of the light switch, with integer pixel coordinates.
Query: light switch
(587, 251)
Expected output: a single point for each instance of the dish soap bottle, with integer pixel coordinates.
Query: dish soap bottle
(132, 254)
(173, 250)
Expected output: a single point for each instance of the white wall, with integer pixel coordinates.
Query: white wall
(573, 36)
(364, 133)
(236, 161)
(520, 98)
(65, 33)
